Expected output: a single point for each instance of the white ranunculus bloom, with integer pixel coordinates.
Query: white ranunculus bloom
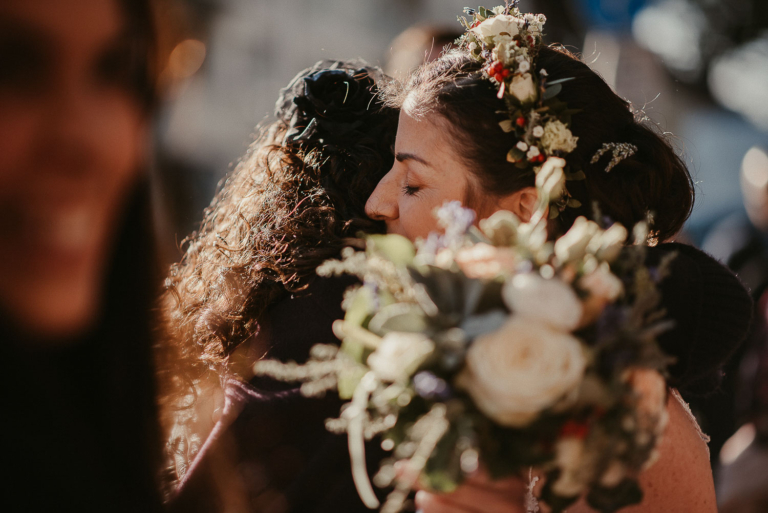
(573, 245)
(502, 25)
(551, 302)
(515, 373)
(523, 88)
(538, 131)
(399, 355)
(557, 137)
(550, 178)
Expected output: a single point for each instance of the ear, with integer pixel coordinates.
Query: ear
(521, 203)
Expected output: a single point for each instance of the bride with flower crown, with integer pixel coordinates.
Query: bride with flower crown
(478, 125)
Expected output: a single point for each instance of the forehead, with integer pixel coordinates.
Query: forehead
(70, 25)
(425, 135)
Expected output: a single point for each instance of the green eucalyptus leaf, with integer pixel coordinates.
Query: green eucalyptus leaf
(349, 378)
(402, 317)
(574, 203)
(395, 248)
(360, 306)
(476, 325)
(515, 155)
(552, 91)
(355, 349)
(560, 81)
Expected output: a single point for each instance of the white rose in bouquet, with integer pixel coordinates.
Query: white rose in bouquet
(551, 302)
(557, 137)
(515, 373)
(523, 88)
(399, 355)
(503, 25)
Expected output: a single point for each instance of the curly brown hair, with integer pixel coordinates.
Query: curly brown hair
(285, 209)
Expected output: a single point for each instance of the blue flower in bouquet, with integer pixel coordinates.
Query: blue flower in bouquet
(456, 220)
(429, 386)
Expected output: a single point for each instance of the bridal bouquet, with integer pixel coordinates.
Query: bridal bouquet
(493, 346)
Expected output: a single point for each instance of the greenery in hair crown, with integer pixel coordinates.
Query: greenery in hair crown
(506, 42)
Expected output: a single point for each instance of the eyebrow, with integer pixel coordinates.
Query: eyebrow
(402, 157)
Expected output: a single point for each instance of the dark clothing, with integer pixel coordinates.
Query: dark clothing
(712, 312)
(270, 451)
(80, 429)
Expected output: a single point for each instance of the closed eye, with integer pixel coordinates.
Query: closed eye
(410, 190)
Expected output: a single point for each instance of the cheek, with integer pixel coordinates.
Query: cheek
(17, 128)
(416, 217)
(120, 147)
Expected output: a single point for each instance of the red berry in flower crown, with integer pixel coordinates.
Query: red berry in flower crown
(520, 121)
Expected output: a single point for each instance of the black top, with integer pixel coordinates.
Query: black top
(79, 421)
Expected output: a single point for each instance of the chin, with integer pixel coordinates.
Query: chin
(56, 312)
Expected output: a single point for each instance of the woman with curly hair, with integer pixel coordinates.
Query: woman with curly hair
(247, 288)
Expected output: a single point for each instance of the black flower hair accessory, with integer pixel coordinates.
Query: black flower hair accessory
(330, 105)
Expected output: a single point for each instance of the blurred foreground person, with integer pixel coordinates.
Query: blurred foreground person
(247, 289)
(76, 257)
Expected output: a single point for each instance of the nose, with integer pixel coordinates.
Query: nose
(382, 204)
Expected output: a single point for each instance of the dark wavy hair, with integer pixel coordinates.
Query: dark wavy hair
(294, 200)
(653, 181)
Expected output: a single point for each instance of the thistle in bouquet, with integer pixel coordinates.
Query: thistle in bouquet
(492, 345)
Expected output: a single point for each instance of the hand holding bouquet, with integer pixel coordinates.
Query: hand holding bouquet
(494, 346)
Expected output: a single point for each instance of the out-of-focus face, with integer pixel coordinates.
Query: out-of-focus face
(427, 173)
(71, 139)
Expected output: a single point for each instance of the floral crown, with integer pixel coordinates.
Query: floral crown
(507, 42)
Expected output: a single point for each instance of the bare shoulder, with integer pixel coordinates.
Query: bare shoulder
(681, 480)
